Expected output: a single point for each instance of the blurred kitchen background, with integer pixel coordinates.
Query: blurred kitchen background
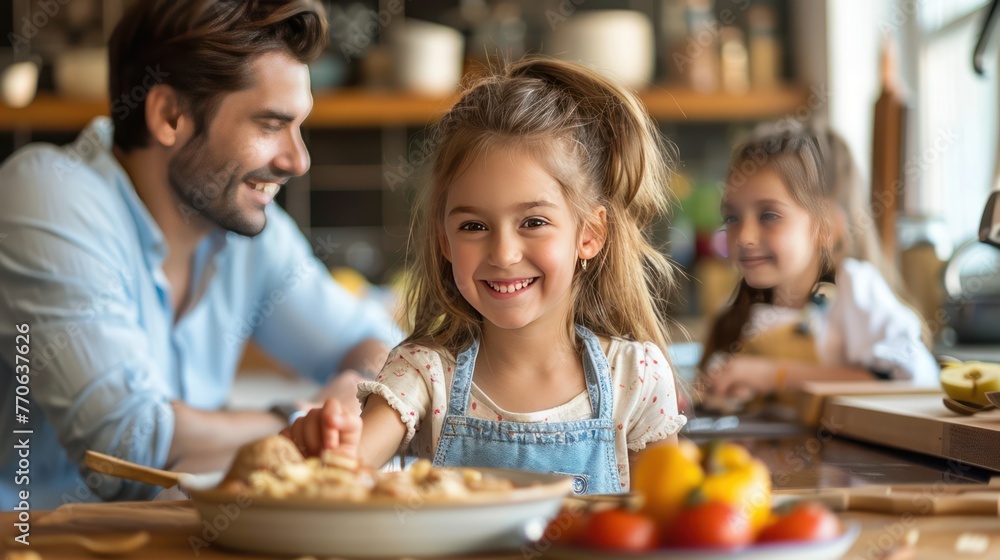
(708, 71)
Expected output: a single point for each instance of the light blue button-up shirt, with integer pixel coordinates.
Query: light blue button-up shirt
(81, 266)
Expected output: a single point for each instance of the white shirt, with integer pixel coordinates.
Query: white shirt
(866, 326)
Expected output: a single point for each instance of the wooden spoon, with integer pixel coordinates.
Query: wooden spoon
(994, 397)
(967, 408)
(106, 464)
(103, 545)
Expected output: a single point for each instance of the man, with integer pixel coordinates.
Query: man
(139, 259)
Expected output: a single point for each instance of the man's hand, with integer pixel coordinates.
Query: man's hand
(344, 389)
(328, 427)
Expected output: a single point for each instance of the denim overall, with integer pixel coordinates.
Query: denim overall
(584, 449)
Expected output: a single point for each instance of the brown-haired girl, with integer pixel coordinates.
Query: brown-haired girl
(811, 305)
(537, 341)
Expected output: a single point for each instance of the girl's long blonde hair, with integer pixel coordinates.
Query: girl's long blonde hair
(597, 140)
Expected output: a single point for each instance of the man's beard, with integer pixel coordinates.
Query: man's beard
(210, 187)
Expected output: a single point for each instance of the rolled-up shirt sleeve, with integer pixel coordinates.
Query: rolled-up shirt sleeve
(300, 297)
(91, 373)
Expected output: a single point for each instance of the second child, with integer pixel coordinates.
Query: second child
(812, 304)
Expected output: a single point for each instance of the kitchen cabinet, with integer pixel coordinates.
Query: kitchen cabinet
(364, 141)
(364, 144)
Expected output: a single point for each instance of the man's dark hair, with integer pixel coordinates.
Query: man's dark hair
(204, 50)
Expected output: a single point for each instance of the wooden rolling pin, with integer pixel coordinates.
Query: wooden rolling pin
(919, 499)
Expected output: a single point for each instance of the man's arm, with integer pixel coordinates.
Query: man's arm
(362, 363)
(316, 326)
(70, 275)
(366, 358)
(206, 441)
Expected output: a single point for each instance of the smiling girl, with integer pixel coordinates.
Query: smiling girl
(804, 310)
(538, 339)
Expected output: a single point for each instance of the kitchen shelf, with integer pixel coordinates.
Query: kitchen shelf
(361, 108)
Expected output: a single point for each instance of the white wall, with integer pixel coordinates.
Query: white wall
(855, 31)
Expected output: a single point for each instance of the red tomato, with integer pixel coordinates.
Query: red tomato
(710, 525)
(567, 527)
(617, 529)
(806, 522)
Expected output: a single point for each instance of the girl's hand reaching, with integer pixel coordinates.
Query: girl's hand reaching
(326, 427)
(745, 376)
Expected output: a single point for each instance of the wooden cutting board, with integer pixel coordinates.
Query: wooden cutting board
(811, 397)
(917, 423)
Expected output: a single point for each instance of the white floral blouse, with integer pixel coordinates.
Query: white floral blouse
(415, 382)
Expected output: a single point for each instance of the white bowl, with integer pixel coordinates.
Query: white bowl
(428, 57)
(383, 527)
(617, 43)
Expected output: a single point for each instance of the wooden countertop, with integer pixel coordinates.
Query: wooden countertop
(879, 534)
(803, 458)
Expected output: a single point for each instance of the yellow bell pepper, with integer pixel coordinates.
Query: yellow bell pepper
(668, 476)
(665, 475)
(734, 477)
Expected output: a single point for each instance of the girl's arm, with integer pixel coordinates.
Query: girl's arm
(382, 434)
(763, 375)
(797, 373)
(656, 420)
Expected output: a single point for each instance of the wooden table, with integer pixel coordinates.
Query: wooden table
(798, 459)
(879, 534)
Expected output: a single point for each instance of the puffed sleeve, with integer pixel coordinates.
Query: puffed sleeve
(651, 397)
(871, 328)
(405, 383)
